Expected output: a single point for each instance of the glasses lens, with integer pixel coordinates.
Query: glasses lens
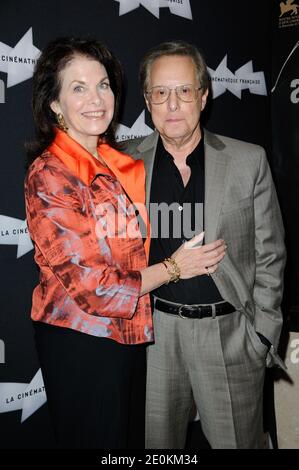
(186, 92)
(159, 94)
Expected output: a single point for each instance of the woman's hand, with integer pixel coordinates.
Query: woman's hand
(192, 260)
(195, 260)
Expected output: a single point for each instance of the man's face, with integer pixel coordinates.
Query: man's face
(175, 120)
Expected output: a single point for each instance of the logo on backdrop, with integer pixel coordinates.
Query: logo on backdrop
(139, 129)
(177, 7)
(15, 232)
(18, 61)
(288, 7)
(243, 78)
(289, 14)
(21, 396)
(294, 83)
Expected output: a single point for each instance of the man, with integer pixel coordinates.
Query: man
(213, 333)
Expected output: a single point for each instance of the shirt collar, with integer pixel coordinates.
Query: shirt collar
(197, 155)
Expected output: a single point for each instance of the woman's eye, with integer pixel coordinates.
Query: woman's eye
(78, 88)
(104, 86)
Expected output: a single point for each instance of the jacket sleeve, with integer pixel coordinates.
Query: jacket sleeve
(270, 255)
(64, 232)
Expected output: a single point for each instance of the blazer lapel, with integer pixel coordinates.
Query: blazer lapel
(217, 162)
(147, 150)
(216, 172)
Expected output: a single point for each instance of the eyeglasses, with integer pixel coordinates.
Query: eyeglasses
(160, 94)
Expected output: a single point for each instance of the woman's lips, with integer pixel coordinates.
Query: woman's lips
(94, 114)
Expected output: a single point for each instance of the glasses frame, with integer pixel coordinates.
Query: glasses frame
(169, 89)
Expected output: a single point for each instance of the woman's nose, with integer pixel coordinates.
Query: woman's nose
(95, 97)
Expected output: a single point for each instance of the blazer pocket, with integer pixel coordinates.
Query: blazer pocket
(234, 206)
(260, 349)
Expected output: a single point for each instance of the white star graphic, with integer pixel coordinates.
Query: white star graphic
(223, 79)
(257, 84)
(139, 129)
(14, 232)
(18, 62)
(228, 83)
(182, 9)
(22, 396)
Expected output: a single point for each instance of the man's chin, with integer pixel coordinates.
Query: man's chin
(174, 134)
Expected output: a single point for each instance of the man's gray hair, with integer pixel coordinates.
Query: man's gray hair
(172, 48)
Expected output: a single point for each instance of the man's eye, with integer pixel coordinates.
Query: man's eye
(78, 88)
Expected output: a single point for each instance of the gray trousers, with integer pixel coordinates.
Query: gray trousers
(215, 365)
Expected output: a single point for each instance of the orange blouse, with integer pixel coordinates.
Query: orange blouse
(90, 266)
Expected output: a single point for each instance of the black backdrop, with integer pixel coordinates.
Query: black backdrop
(285, 139)
(238, 31)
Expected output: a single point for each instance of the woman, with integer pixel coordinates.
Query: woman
(91, 308)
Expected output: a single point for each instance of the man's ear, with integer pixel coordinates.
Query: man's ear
(148, 105)
(204, 99)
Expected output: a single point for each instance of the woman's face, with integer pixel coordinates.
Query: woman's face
(86, 100)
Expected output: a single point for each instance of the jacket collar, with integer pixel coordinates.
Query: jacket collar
(129, 172)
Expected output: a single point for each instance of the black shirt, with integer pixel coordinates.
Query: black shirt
(182, 213)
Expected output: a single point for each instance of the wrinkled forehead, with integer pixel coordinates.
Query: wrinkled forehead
(172, 70)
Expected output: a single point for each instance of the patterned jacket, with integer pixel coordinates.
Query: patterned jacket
(89, 277)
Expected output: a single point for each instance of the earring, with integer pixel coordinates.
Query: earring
(61, 122)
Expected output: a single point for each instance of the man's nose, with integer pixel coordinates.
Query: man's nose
(173, 101)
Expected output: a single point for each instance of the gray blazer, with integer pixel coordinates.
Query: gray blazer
(241, 207)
